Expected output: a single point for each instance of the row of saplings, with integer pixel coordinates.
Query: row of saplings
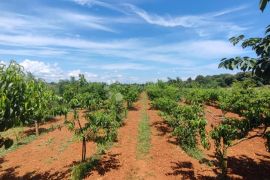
(188, 121)
(101, 120)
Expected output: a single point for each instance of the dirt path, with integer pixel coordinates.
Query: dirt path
(120, 161)
(50, 156)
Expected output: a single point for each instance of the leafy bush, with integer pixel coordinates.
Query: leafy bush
(164, 104)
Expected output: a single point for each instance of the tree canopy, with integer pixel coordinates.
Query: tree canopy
(260, 65)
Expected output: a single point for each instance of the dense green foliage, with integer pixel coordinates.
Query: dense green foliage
(187, 121)
(183, 109)
(245, 99)
(24, 99)
(216, 81)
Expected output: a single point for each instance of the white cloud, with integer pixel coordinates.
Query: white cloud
(101, 4)
(167, 21)
(44, 41)
(185, 53)
(2, 62)
(205, 49)
(199, 23)
(49, 72)
(52, 72)
(229, 11)
(85, 20)
(34, 51)
(77, 72)
(132, 50)
(84, 2)
(57, 20)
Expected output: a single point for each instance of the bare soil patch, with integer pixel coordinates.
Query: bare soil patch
(50, 156)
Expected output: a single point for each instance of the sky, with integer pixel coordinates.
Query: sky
(127, 41)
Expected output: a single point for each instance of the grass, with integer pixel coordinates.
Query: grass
(49, 141)
(194, 152)
(65, 145)
(197, 154)
(144, 133)
(19, 139)
(80, 170)
(102, 148)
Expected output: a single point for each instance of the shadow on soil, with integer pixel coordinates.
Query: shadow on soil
(162, 127)
(164, 130)
(108, 163)
(248, 168)
(186, 171)
(43, 130)
(133, 109)
(244, 167)
(12, 174)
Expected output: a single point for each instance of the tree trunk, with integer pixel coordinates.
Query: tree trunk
(37, 128)
(224, 163)
(83, 149)
(83, 143)
(129, 104)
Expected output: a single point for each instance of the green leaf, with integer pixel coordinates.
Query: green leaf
(263, 4)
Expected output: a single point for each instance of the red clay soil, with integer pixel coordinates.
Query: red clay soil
(50, 156)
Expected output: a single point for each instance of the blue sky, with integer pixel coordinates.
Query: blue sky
(126, 41)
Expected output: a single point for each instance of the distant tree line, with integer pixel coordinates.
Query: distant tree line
(221, 80)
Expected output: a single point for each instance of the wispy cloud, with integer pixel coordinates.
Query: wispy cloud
(44, 41)
(122, 66)
(57, 20)
(33, 51)
(229, 11)
(88, 21)
(128, 49)
(199, 23)
(112, 6)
